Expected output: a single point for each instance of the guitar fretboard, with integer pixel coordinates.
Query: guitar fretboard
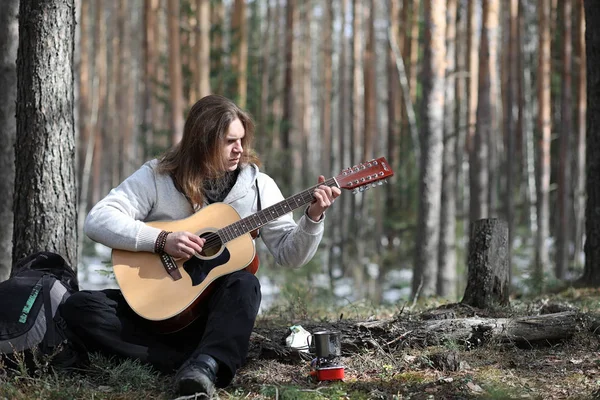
(270, 213)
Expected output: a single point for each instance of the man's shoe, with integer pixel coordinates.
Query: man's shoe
(197, 376)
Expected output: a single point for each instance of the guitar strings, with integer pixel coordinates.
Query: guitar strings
(214, 240)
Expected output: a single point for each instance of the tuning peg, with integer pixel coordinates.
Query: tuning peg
(380, 183)
(354, 191)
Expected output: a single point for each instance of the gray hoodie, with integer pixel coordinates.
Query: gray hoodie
(117, 221)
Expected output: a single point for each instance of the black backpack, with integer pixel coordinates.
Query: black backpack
(30, 321)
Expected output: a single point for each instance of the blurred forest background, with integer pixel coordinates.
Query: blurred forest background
(479, 106)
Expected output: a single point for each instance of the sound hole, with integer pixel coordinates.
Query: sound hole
(213, 244)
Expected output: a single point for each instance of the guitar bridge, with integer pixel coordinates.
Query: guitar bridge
(170, 266)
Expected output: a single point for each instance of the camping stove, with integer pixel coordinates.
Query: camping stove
(326, 366)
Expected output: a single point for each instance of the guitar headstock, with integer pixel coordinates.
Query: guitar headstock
(364, 175)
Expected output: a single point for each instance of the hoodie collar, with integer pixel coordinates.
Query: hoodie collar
(244, 183)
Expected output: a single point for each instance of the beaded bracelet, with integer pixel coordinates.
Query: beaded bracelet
(161, 240)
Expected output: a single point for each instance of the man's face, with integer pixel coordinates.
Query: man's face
(232, 148)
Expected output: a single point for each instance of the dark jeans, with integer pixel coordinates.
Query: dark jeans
(106, 323)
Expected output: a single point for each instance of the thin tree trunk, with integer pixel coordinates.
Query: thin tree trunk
(9, 40)
(511, 115)
(412, 70)
(446, 277)
(580, 197)
(545, 129)
(268, 40)
(203, 48)
(45, 202)
(307, 158)
(288, 96)
(150, 75)
(473, 39)
(217, 41)
(344, 129)
(370, 100)
(495, 142)
(84, 75)
(101, 66)
(394, 110)
(125, 92)
(175, 73)
(563, 229)
(358, 272)
(528, 103)
(432, 135)
(280, 41)
(239, 56)
(326, 118)
(479, 152)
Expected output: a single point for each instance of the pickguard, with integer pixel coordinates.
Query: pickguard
(198, 269)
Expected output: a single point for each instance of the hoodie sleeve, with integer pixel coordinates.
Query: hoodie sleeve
(116, 220)
(291, 244)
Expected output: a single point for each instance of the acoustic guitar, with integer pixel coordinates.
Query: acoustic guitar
(169, 292)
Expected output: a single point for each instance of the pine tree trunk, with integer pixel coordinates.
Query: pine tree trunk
(580, 197)
(307, 157)
(239, 57)
(512, 117)
(446, 277)
(326, 112)
(432, 135)
(175, 73)
(9, 40)
(479, 152)
(288, 94)
(473, 43)
(217, 39)
(203, 48)
(370, 95)
(545, 129)
(591, 273)
(101, 66)
(563, 228)
(45, 188)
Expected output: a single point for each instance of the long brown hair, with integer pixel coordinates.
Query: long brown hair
(199, 155)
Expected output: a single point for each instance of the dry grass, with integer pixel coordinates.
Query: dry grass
(566, 370)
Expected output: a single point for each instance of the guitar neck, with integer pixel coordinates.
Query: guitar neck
(262, 217)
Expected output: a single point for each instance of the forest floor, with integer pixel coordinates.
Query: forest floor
(568, 369)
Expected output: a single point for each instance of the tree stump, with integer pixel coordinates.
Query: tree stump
(487, 282)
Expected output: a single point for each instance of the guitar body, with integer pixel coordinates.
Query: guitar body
(172, 297)
(156, 296)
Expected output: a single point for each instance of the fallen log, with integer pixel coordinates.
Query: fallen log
(520, 330)
(389, 335)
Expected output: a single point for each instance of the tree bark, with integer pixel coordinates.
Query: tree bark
(591, 273)
(487, 282)
(9, 40)
(432, 133)
(45, 188)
